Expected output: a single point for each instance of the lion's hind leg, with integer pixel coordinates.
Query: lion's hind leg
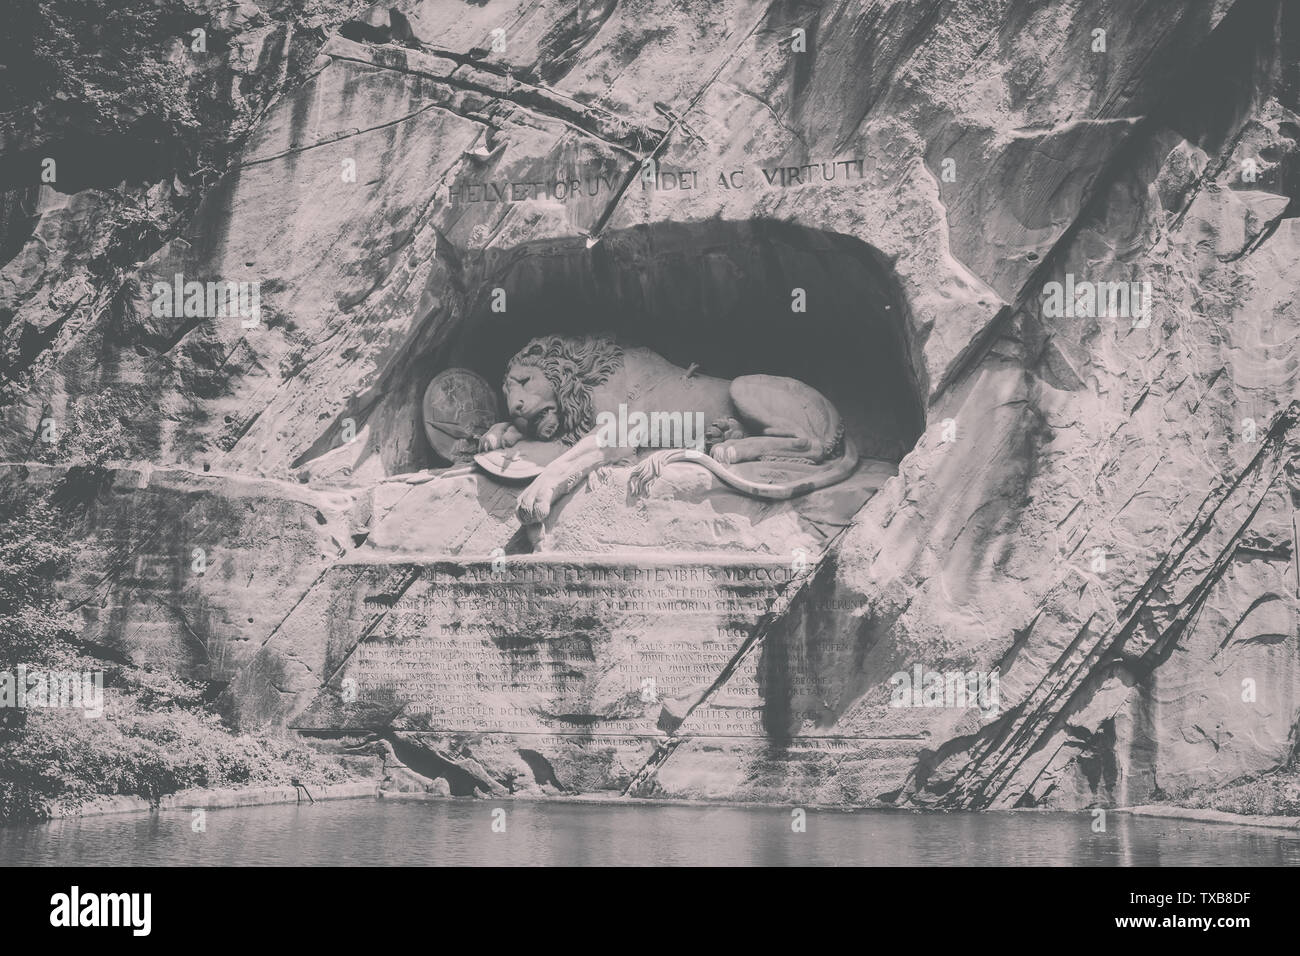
(753, 449)
(723, 429)
(795, 421)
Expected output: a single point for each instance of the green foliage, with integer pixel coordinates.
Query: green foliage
(63, 758)
(99, 52)
(157, 733)
(34, 551)
(1270, 794)
(126, 67)
(94, 429)
(102, 60)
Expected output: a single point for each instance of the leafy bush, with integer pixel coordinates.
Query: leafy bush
(63, 758)
(1271, 794)
(93, 429)
(34, 551)
(156, 734)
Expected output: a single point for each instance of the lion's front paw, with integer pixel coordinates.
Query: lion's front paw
(644, 475)
(535, 503)
(501, 435)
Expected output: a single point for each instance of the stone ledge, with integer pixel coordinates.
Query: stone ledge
(256, 796)
(100, 806)
(1212, 816)
(212, 799)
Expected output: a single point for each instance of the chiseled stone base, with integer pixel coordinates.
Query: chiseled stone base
(550, 676)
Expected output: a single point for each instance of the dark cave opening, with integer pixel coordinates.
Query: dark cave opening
(717, 295)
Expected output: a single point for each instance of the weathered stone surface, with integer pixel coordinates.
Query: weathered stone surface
(1101, 511)
(537, 644)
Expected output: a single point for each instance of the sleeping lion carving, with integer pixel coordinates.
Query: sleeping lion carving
(559, 388)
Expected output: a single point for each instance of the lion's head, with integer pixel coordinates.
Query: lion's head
(549, 381)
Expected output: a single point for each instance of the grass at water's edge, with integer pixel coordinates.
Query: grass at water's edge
(112, 728)
(1274, 793)
(62, 761)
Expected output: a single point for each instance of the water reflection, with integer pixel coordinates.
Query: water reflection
(541, 834)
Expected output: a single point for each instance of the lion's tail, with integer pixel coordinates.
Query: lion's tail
(833, 472)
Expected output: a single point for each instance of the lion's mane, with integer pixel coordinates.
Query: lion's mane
(573, 366)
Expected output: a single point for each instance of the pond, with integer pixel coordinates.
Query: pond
(423, 833)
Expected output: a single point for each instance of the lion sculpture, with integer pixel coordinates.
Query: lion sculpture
(558, 387)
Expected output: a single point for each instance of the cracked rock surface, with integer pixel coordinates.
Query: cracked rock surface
(1103, 511)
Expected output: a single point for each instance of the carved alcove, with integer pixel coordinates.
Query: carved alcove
(714, 295)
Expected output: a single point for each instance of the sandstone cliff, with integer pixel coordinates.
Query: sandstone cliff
(1103, 510)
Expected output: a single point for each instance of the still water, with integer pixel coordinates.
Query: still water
(407, 833)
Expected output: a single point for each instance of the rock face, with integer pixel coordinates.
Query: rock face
(1098, 505)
